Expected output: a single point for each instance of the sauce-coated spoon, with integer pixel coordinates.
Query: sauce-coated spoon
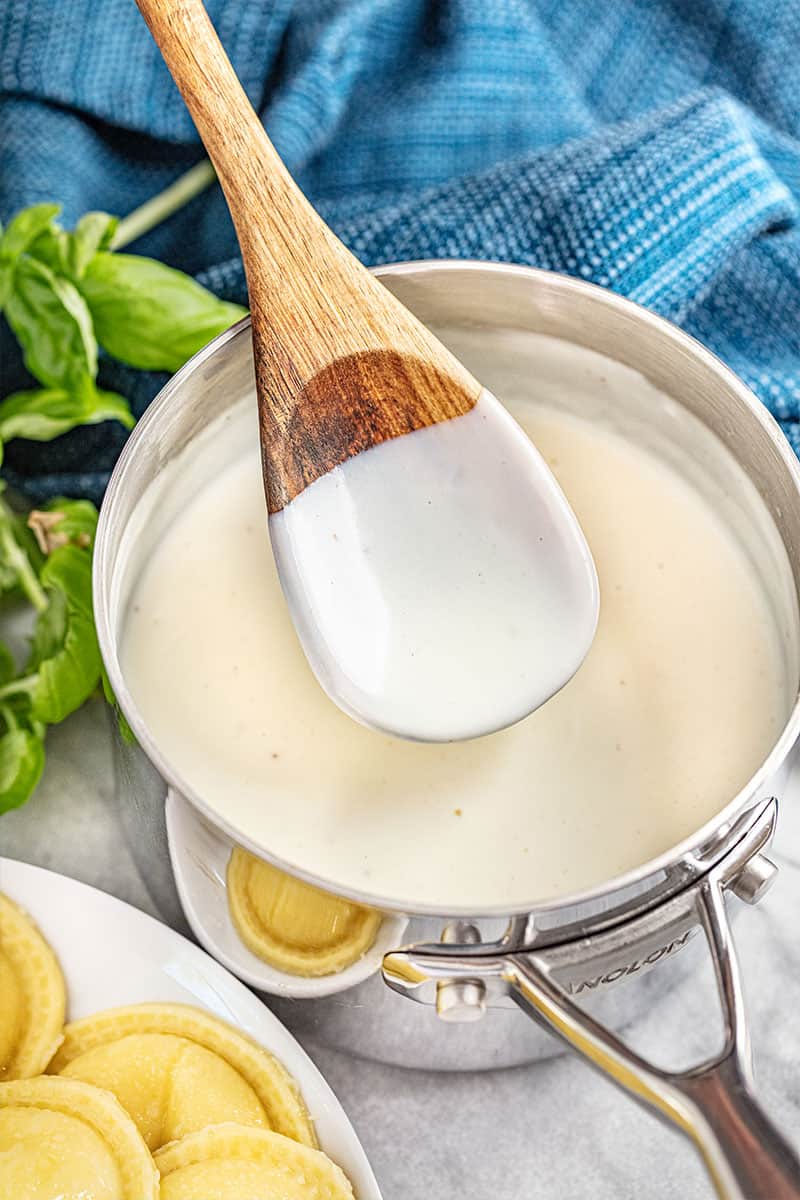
(437, 578)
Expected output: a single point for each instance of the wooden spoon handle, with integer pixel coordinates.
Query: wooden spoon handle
(245, 160)
(288, 250)
(276, 227)
(323, 327)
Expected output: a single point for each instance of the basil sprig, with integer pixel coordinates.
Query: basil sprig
(49, 561)
(66, 295)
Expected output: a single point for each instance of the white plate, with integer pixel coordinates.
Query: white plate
(199, 853)
(112, 954)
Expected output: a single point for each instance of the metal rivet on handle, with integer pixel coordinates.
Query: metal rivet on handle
(460, 1000)
(755, 879)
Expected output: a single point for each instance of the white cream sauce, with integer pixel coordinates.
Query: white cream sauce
(439, 583)
(679, 699)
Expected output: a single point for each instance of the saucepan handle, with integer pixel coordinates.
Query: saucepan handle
(746, 1155)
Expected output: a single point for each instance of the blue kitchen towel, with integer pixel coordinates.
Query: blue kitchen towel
(652, 146)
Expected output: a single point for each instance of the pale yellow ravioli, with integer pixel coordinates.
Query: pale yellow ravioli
(65, 1140)
(292, 925)
(233, 1162)
(170, 1083)
(32, 996)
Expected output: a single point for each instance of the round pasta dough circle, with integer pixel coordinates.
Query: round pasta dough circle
(229, 1161)
(277, 1092)
(293, 926)
(61, 1137)
(169, 1085)
(32, 996)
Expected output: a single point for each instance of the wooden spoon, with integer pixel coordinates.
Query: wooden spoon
(379, 535)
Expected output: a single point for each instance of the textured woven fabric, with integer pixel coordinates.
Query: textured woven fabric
(651, 147)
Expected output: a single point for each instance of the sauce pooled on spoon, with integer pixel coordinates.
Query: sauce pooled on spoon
(439, 582)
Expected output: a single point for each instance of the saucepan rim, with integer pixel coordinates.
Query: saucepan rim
(687, 849)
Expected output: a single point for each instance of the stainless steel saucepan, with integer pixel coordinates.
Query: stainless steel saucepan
(560, 961)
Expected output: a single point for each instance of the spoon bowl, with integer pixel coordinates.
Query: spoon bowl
(441, 589)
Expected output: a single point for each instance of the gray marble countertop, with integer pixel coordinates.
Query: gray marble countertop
(550, 1130)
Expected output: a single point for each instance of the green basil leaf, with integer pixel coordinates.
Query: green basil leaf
(44, 413)
(9, 576)
(6, 282)
(20, 559)
(64, 522)
(53, 324)
(64, 653)
(149, 315)
(77, 519)
(93, 233)
(21, 765)
(49, 631)
(25, 227)
(50, 248)
(39, 414)
(70, 253)
(99, 405)
(9, 579)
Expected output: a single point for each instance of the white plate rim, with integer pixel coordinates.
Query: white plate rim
(63, 907)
